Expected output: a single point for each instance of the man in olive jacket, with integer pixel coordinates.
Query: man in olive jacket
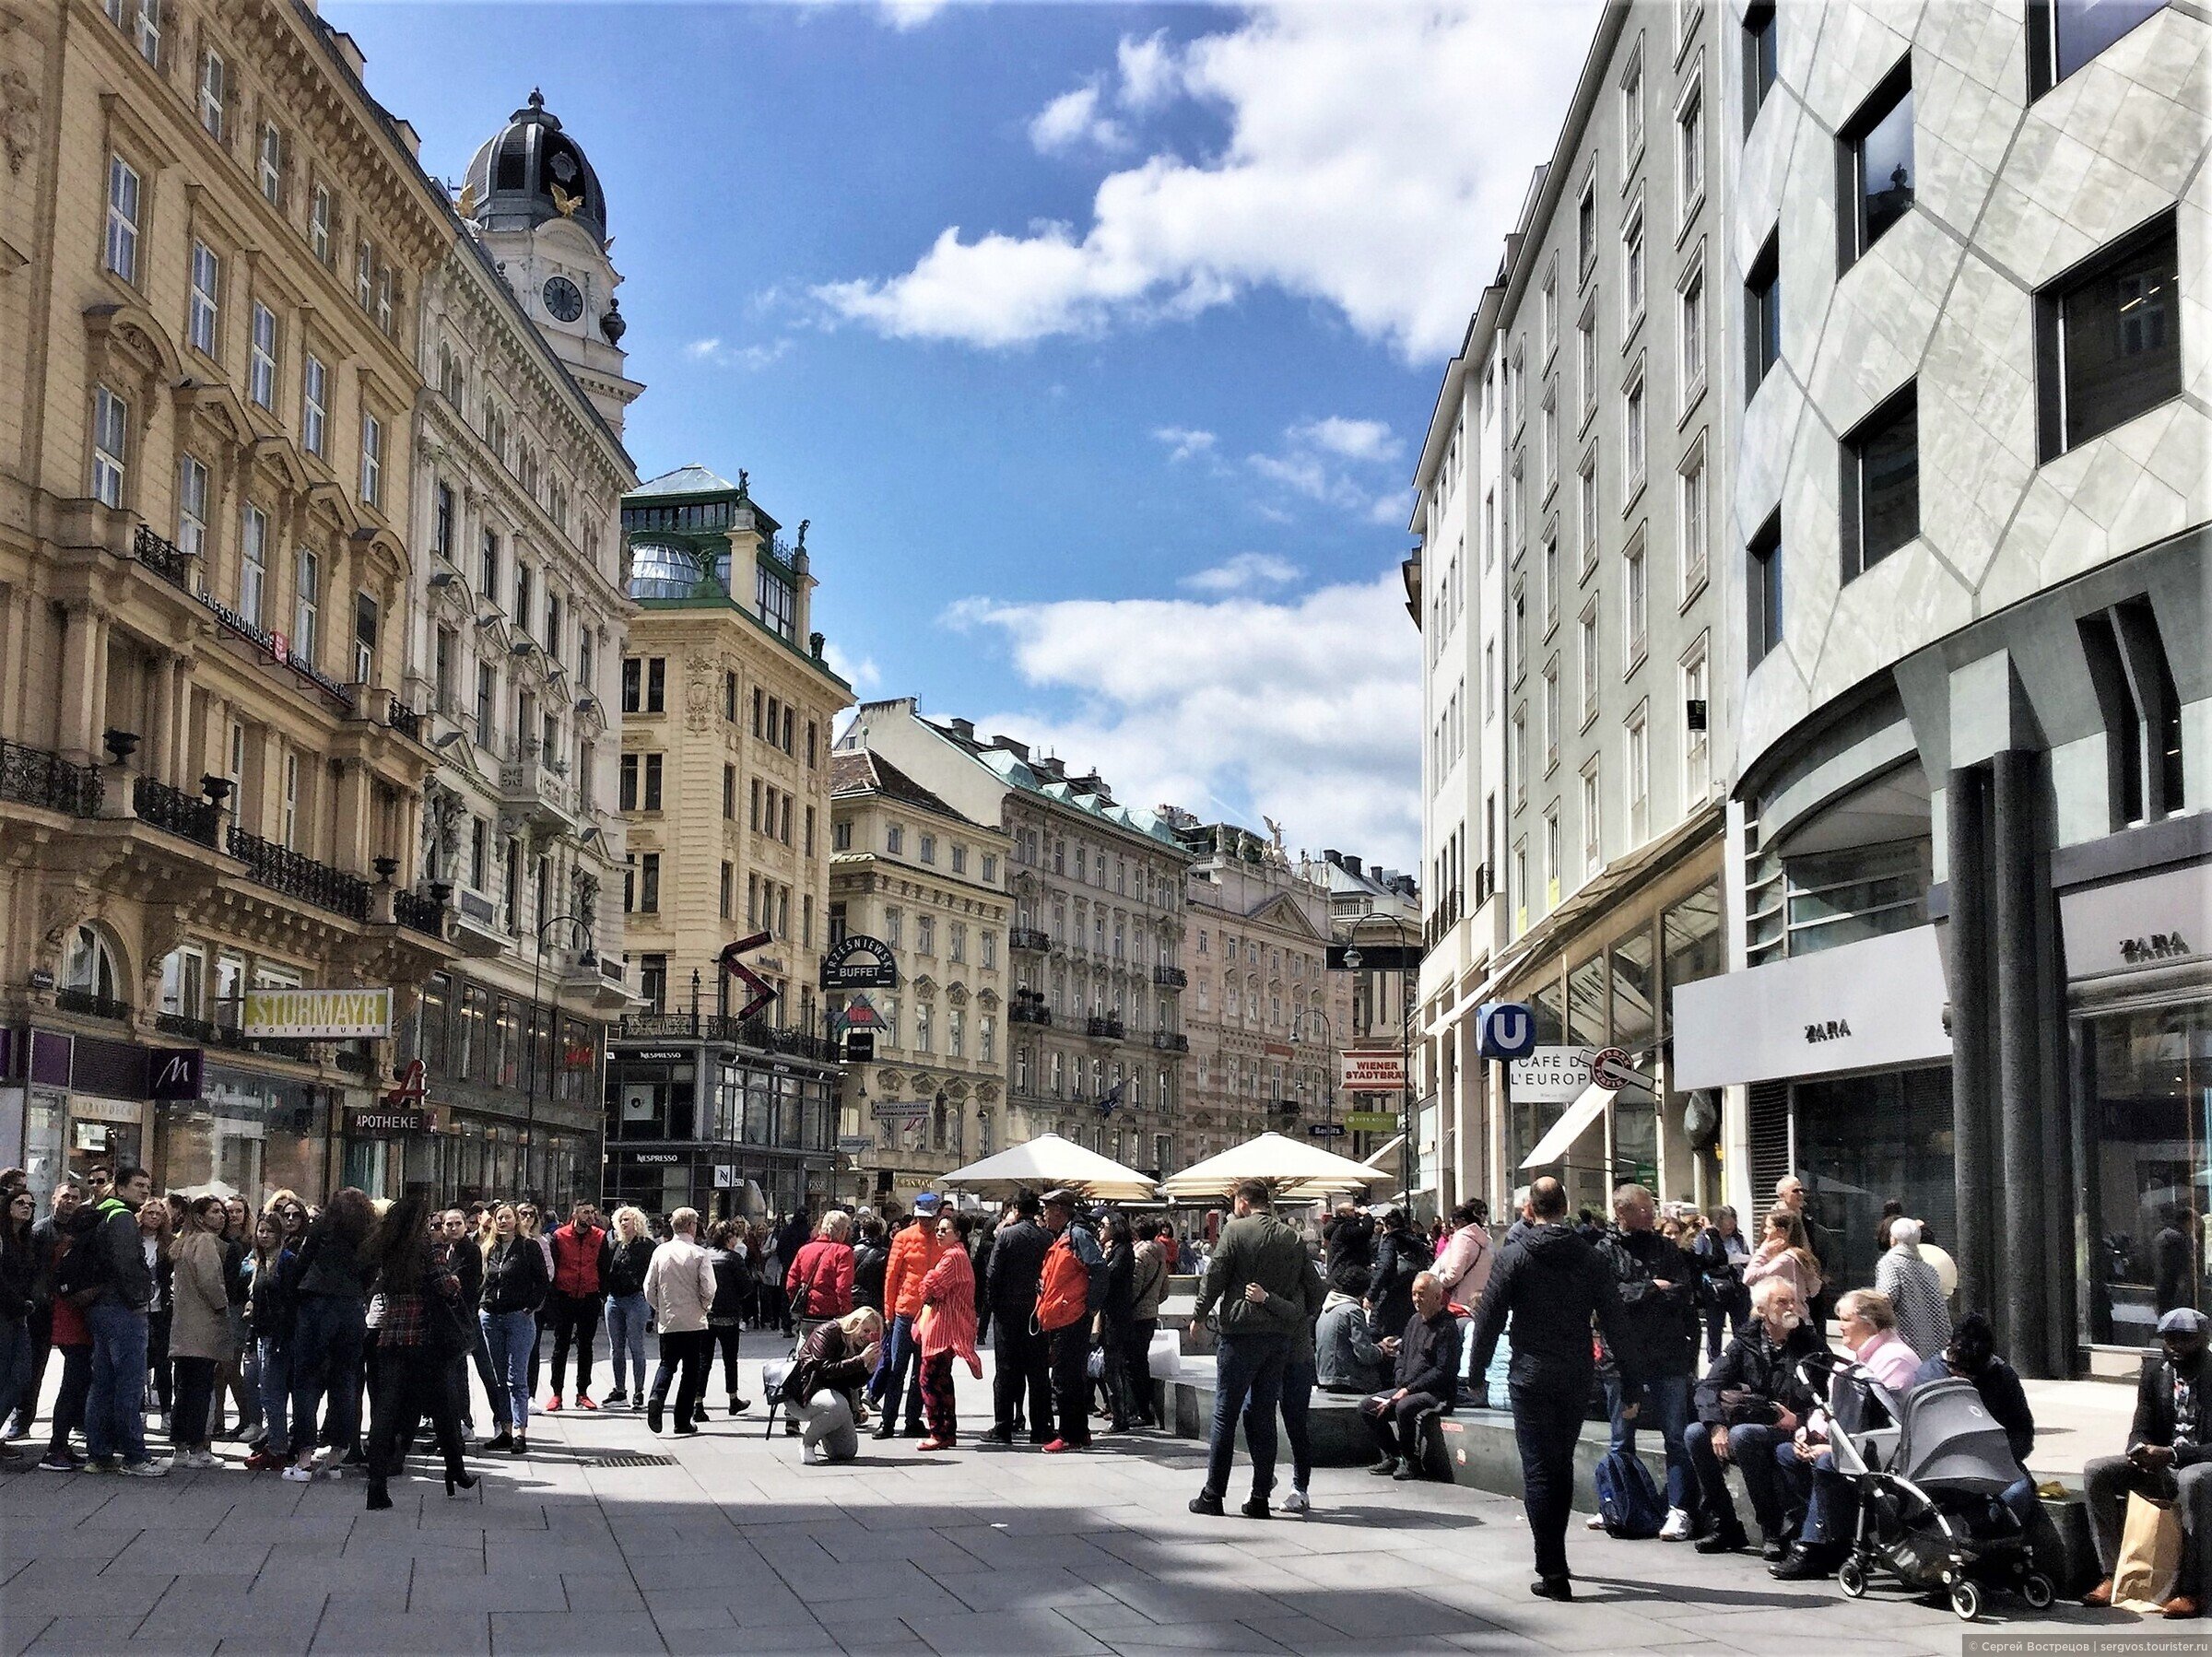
(1256, 1249)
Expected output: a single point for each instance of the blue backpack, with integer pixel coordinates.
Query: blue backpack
(1627, 1502)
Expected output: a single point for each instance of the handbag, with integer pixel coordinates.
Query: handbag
(2149, 1567)
(1740, 1407)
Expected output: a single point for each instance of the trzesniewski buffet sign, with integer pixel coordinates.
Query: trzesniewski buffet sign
(318, 1014)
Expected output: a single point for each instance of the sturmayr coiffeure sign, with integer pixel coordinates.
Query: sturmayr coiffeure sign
(317, 1014)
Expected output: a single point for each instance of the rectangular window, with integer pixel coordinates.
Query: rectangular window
(364, 274)
(2108, 339)
(1631, 111)
(1636, 432)
(1762, 590)
(1762, 313)
(929, 847)
(315, 432)
(122, 252)
(653, 781)
(200, 310)
(1586, 508)
(1693, 336)
(1876, 147)
(729, 793)
(1633, 605)
(110, 445)
(1761, 59)
(364, 639)
(1551, 713)
(488, 695)
(1585, 352)
(212, 77)
(753, 812)
(307, 604)
(150, 31)
(386, 295)
(1881, 483)
(372, 459)
(1632, 269)
(525, 583)
(1549, 434)
(657, 683)
(487, 576)
(253, 562)
(291, 801)
(1696, 772)
(1640, 775)
(2062, 35)
(1585, 226)
(1591, 839)
(648, 883)
(192, 507)
(1588, 645)
(729, 881)
(318, 223)
(1690, 152)
(272, 164)
(777, 603)
(1691, 536)
(261, 367)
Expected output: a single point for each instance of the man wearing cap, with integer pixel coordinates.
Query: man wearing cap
(2168, 1457)
(914, 1251)
(1070, 1288)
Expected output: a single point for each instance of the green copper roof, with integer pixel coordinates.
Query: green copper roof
(685, 480)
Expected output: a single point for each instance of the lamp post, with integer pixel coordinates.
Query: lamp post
(588, 961)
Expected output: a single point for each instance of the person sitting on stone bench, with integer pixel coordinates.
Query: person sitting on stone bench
(1346, 1356)
(2169, 1458)
(1427, 1381)
(1750, 1402)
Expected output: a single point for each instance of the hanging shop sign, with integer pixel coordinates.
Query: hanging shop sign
(1372, 1070)
(1327, 1130)
(860, 1047)
(1551, 1073)
(381, 1121)
(317, 1014)
(1504, 1030)
(1372, 1122)
(857, 961)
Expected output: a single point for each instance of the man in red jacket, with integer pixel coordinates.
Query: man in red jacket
(580, 1256)
(1065, 1302)
(914, 1251)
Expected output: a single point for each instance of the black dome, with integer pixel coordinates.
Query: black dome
(530, 171)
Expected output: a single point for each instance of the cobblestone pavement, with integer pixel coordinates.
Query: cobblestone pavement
(734, 1547)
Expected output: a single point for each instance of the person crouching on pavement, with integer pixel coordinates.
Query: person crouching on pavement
(823, 1388)
(1750, 1403)
(1427, 1381)
(2168, 1459)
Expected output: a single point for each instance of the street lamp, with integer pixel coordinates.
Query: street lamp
(587, 960)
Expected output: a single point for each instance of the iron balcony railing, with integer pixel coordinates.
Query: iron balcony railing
(286, 871)
(403, 720)
(91, 1005)
(419, 914)
(756, 1033)
(37, 778)
(1108, 1028)
(1030, 1012)
(1029, 937)
(164, 558)
(1169, 1041)
(1170, 977)
(175, 811)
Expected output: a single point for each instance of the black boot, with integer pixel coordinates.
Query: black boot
(379, 1499)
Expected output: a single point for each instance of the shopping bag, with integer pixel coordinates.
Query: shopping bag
(1165, 1359)
(2150, 1555)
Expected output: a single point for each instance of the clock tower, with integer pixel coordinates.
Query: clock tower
(535, 205)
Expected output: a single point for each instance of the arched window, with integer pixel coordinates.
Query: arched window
(88, 965)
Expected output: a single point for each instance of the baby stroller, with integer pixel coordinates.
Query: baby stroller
(1928, 1471)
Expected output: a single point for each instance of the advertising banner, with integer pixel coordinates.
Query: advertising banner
(1372, 1070)
(317, 1014)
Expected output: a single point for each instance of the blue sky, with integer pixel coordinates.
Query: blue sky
(1096, 342)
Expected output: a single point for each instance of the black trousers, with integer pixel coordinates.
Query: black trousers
(41, 1326)
(69, 1402)
(195, 1397)
(573, 1316)
(1548, 1421)
(726, 1336)
(1395, 1424)
(688, 1351)
(412, 1382)
(1024, 1371)
(1071, 1380)
(1136, 1365)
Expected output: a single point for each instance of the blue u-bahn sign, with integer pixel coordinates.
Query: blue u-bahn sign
(1504, 1030)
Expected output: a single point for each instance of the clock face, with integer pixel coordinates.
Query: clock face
(563, 300)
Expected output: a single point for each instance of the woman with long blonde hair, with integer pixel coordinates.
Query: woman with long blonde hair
(629, 1253)
(1784, 1253)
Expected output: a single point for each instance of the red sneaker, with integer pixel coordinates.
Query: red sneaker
(261, 1461)
(553, 1404)
(583, 1401)
(1057, 1447)
(933, 1444)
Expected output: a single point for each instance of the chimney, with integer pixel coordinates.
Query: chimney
(408, 136)
(964, 729)
(1333, 857)
(1021, 750)
(1352, 866)
(349, 50)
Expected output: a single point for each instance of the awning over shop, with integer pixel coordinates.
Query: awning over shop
(1571, 1125)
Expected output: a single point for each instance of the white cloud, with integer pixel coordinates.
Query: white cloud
(1246, 570)
(1073, 118)
(721, 355)
(903, 15)
(1337, 462)
(1307, 709)
(1184, 442)
(1354, 439)
(862, 675)
(1357, 171)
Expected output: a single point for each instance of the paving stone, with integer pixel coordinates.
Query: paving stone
(444, 1636)
(573, 1633)
(1004, 1634)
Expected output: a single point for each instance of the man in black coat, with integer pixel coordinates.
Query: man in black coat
(1652, 1361)
(1427, 1381)
(1750, 1401)
(1349, 1251)
(1024, 1357)
(1548, 1284)
(46, 1238)
(2169, 1457)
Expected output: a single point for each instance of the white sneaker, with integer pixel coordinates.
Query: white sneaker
(297, 1475)
(1677, 1527)
(1596, 1521)
(1296, 1502)
(813, 1456)
(149, 1468)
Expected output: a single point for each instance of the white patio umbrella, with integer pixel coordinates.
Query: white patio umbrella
(1295, 1168)
(1049, 1160)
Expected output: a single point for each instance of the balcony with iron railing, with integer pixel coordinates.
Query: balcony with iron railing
(1105, 1028)
(175, 811)
(1029, 937)
(1029, 1012)
(418, 911)
(1170, 977)
(1171, 1041)
(283, 870)
(90, 1004)
(756, 1033)
(34, 776)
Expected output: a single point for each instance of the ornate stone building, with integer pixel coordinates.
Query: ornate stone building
(1097, 1037)
(724, 784)
(212, 245)
(908, 870)
(518, 625)
(1264, 1017)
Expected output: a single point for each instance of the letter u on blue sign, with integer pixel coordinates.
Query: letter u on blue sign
(1504, 1030)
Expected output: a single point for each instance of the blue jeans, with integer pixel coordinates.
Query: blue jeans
(276, 1391)
(15, 1364)
(326, 1362)
(509, 1335)
(900, 1369)
(115, 1410)
(1831, 1505)
(1666, 1405)
(1248, 1381)
(1299, 1375)
(625, 1319)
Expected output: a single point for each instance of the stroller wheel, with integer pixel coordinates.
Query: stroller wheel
(2036, 1589)
(1966, 1599)
(1851, 1576)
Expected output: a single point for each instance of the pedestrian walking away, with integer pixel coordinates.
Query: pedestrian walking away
(1255, 1336)
(421, 1331)
(1547, 1287)
(680, 1286)
(725, 1317)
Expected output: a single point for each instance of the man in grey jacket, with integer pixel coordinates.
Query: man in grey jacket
(1256, 1249)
